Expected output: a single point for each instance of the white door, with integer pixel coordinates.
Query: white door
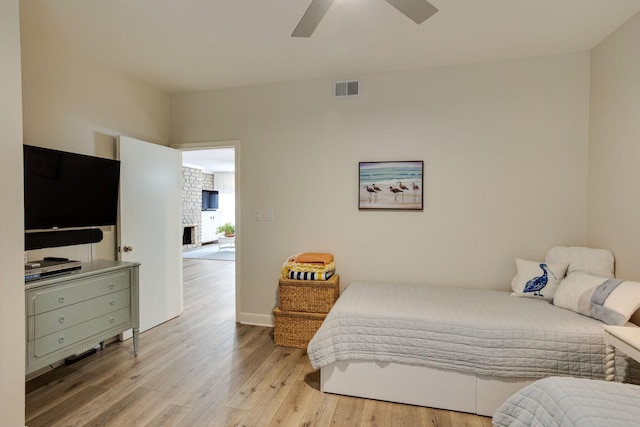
(150, 225)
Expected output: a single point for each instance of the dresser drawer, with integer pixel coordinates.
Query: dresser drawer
(66, 317)
(47, 299)
(66, 337)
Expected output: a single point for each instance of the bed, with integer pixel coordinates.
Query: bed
(556, 402)
(452, 348)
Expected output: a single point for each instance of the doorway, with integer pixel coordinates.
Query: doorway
(209, 203)
(214, 166)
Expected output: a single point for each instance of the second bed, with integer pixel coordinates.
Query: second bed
(452, 348)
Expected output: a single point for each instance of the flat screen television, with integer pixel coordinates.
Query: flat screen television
(68, 190)
(209, 200)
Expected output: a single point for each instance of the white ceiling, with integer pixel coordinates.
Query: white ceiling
(193, 45)
(214, 160)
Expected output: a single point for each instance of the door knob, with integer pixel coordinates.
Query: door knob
(127, 248)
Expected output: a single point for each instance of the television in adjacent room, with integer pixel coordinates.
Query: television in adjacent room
(209, 200)
(68, 190)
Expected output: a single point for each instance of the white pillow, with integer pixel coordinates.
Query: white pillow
(599, 262)
(610, 300)
(537, 279)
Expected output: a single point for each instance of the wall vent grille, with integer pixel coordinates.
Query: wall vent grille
(344, 88)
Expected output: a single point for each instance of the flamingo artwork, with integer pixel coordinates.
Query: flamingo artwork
(536, 284)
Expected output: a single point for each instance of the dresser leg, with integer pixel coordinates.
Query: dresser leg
(610, 363)
(136, 336)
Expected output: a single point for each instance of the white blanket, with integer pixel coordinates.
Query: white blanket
(477, 331)
(565, 402)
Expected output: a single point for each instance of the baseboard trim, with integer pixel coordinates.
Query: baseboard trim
(256, 319)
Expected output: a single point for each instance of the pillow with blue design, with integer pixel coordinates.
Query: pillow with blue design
(537, 279)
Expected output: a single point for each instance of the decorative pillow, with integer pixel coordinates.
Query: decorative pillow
(537, 279)
(599, 262)
(610, 300)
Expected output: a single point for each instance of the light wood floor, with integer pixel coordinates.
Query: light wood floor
(203, 369)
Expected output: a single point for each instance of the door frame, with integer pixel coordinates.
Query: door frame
(235, 144)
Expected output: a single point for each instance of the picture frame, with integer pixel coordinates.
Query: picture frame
(391, 185)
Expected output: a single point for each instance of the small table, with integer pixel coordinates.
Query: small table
(226, 241)
(624, 338)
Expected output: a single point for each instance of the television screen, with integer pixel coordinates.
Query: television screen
(209, 200)
(64, 190)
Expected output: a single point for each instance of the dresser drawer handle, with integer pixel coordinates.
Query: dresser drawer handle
(61, 319)
(111, 320)
(61, 300)
(110, 285)
(60, 339)
(112, 302)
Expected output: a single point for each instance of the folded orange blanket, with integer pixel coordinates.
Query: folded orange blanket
(314, 257)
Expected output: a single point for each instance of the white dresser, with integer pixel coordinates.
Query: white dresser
(72, 313)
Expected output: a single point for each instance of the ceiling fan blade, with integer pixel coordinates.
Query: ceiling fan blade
(311, 18)
(416, 10)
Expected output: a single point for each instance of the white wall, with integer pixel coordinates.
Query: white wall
(76, 103)
(11, 221)
(505, 152)
(614, 148)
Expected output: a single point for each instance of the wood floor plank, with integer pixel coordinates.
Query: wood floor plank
(227, 416)
(266, 378)
(267, 402)
(172, 415)
(378, 414)
(203, 369)
(58, 412)
(348, 411)
(469, 420)
(292, 409)
(320, 410)
(126, 411)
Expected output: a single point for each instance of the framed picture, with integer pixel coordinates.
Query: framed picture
(391, 185)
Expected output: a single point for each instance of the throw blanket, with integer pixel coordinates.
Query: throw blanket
(299, 275)
(303, 267)
(314, 257)
(476, 331)
(556, 402)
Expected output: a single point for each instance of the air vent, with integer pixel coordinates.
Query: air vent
(346, 88)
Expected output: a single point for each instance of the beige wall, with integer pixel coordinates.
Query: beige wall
(11, 222)
(505, 152)
(76, 103)
(614, 148)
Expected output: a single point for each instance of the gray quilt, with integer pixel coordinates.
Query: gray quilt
(564, 402)
(477, 331)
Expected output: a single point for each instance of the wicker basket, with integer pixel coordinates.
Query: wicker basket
(309, 296)
(294, 329)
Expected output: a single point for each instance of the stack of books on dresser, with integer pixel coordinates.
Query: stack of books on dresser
(308, 288)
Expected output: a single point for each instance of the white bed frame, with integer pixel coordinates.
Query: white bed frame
(420, 385)
(423, 386)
